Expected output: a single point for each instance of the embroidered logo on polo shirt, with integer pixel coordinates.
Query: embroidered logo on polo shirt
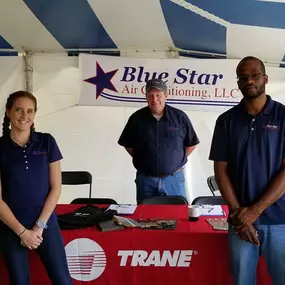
(173, 128)
(271, 127)
(39, 152)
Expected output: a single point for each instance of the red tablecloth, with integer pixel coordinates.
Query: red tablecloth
(193, 253)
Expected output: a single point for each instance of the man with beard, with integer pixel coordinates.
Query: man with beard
(248, 150)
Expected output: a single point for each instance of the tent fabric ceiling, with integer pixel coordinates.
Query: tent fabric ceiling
(229, 29)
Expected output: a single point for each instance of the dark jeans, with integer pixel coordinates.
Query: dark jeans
(51, 252)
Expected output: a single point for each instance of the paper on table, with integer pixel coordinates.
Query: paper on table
(212, 210)
(123, 209)
(219, 223)
(126, 222)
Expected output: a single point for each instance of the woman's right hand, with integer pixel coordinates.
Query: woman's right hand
(30, 239)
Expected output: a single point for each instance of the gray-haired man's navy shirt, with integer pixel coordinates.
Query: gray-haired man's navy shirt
(254, 148)
(158, 145)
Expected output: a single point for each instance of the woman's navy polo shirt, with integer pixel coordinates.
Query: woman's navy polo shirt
(254, 148)
(25, 175)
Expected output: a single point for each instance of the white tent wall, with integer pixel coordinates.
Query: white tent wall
(88, 136)
(12, 77)
(55, 82)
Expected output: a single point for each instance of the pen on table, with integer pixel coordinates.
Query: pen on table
(211, 210)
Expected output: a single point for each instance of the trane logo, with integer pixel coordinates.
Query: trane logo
(177, 258)
(86, 259)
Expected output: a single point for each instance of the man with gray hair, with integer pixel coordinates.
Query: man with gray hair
(159, 138)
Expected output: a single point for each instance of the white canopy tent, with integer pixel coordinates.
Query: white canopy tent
(40, 41)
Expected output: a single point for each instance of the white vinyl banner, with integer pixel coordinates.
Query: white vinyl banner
(194, 84)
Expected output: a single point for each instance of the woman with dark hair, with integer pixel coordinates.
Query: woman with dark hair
(30, 188)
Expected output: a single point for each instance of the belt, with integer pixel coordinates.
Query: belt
(163, 175)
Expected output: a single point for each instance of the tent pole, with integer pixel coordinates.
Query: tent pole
(28, 57)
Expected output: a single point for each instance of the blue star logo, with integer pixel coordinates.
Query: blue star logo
(102, 80)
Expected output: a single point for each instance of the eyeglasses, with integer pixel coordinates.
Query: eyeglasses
(254, 76)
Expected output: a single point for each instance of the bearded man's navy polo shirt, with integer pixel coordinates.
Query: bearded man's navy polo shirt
(254, 148)
(25, 175)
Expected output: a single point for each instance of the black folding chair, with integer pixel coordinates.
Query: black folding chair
(209, 200)
(165, 200)
(211, 181)
(106, 201)
(77, 178)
